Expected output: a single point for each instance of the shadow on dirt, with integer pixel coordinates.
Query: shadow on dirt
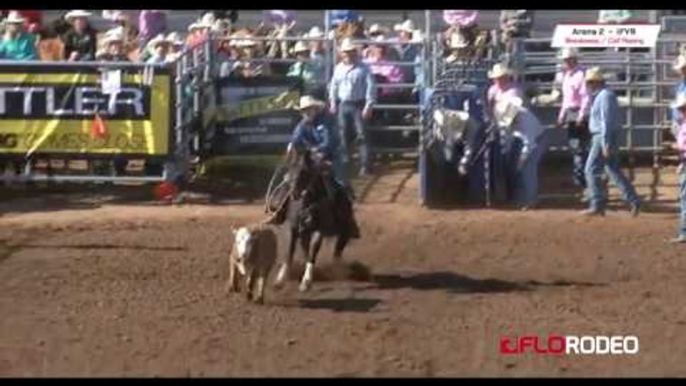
(340, 305)
(455, 283)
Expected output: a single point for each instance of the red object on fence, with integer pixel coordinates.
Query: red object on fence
(98, 128)
(165, 191)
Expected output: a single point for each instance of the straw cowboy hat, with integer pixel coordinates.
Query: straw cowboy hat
(680, 63)
(77, 13)
(307, 102)
(594, 74)
(499, 70)
(568, 53)
(506, 111)
(679, 102)
(156, 41)
(300, 46)
(14, 17)
(347, 45)
(406, 26)
(315, 33)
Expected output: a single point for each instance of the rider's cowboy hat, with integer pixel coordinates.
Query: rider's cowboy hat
(499, 70)
(77, 13)
(315, 33)
(679, 102)
(406, 26)
(568, 53)
(14, 17)
(680, 63)
(506, 111)
(307, 102)
(376, 29)
(300, 46)
(594, 74)
(347, 45)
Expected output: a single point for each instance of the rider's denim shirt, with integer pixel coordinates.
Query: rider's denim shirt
(317, 136)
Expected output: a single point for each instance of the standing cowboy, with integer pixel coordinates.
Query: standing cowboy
(351, 96)
(533, 137)
(680, 106)
(605, 128)
(573, 115)
(679, 88)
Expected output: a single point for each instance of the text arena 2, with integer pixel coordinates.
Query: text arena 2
(570, 345)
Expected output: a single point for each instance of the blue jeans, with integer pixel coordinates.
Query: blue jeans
(595, 165)
(682, 199)
(526, 192)
(340, 169)
(350, 114)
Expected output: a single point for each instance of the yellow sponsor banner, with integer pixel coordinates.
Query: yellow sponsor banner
(257, 106)
(58, 118)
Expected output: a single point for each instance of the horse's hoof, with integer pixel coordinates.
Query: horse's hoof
(305, 286)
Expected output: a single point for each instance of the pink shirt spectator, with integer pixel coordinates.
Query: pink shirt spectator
(391, 72)
(460, 17)
(574, 94)
(497, 94)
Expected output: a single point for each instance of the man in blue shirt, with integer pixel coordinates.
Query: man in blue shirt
(604, 126)
(679, 88)
(351, 96)
(315, 134)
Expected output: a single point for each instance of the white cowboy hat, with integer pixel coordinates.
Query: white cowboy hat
(315, 32)
(406, 26)
(14, 17)
(300, 46)
(377, 29)
(594, 74)
(507, 110)
(175, 39)
(568, 52)
(679, 102)
(77, 13)
(113, 36)
(348, 45)
(499, 70)
(458, 40)
(156, 41)
(307, 102)
(680, 63)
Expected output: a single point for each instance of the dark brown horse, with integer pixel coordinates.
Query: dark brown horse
(315, 208)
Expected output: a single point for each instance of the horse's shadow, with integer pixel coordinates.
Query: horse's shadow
(460, 284)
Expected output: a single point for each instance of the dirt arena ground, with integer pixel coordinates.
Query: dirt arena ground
(92, 285)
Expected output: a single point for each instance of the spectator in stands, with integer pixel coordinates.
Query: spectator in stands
(679, 88)
(17, 44)
(198, 31)
(515, 24)
(247, 50)
(458, 48)
(151, 23)
(603, 157)
(123, 20)
(303, 68)
(342, 16)
(573, 115)
(33, 19)
(158, 49)
(465, 23)
(80, 43)
(407, 52)
(386, 73)
(176, 46)
(351, 96)
(113, 42)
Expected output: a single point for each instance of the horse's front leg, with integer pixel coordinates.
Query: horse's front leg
(282, 275)
(305, 243)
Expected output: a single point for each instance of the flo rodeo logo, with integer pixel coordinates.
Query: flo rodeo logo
(69, 110)
(570, 345)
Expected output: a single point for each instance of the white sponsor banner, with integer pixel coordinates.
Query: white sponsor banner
(605, 35)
